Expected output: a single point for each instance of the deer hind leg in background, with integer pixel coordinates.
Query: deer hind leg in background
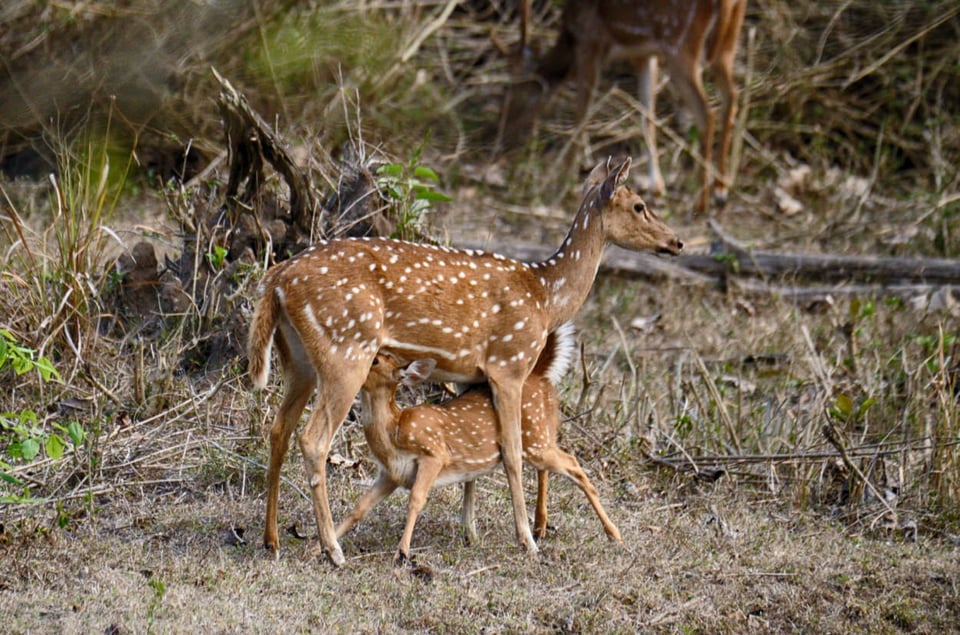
(721, 60)
(647, 74)
(687, 79)
(468, 516)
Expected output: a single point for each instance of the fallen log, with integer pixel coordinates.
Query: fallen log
(730, 256)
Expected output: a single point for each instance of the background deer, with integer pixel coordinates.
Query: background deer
(680, 34)
(331, 308)
(457, 441)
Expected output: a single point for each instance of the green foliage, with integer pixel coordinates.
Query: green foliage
(312, 46)
(410, 187)
(22, 359)
(728, 259)
(156, 599)
(217, 256)
(22, 432)
(846, 410)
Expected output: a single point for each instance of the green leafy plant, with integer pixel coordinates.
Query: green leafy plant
(22, 359)
(156, 600)
(217, 256)
(846, 410)
(411, 187)
(22, 431)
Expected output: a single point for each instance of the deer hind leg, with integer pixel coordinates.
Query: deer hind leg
(333, 403)
(721, 65)
(686, 75)
(428, 468)
(381, 489)
(588, 59)
(557, 461)
(540, 519)
(647, 73)
(299, 382)
(507, 402)
(468, 517)
(723, 70)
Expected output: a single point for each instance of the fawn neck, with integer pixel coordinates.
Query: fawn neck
(379, 416)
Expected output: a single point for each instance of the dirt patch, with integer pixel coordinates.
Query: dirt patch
(706, 560)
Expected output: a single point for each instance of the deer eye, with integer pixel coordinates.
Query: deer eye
(376, 362)
(639, 208)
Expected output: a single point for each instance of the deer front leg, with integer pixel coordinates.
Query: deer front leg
(315, 441)
(467, 515)
(540, 519)
(686, 74)
(383, 487)
(588, 66)
(729, 95)
(428, 468)
(507, 402)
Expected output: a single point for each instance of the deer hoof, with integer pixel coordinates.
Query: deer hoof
(336, 557)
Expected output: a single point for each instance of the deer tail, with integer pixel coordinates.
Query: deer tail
(260, 340)
(557, 354)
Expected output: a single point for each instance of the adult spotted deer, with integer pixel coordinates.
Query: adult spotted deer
(683, 35)
(457, 441)
(481, 316)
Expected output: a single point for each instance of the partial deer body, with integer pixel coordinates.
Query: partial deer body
(331, 309)
(429, 445)
(682, 35)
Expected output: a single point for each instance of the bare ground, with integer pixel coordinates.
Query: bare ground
(159, 550)
(162, 534)
(701, 559)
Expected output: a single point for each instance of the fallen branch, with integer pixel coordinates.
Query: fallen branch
(833, 436)
(730, 256)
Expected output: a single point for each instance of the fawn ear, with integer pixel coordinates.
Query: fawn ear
(417, 372)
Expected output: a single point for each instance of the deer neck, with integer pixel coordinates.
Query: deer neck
(568, 274)
(379, 419)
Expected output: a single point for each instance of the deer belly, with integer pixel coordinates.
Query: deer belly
(463, 474)
(402, 469)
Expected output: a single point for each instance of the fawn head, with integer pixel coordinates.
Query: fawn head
(386, 373)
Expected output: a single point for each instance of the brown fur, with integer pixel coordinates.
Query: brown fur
(457, 441)
(481, 316)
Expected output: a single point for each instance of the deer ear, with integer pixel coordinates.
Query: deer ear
(623, 170)
(417, 372)
(615, 178)
(597, 176)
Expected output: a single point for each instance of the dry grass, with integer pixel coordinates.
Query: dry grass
(134, 532)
